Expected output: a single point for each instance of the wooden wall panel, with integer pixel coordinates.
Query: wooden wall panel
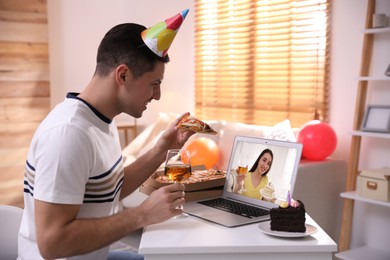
(9, 89)
(15, 110)
(24, 6)
(23, 32)
(24, 88)
(23, 50)
(29, 17)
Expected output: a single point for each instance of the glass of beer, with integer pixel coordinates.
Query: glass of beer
(178, 166)
(242, 169)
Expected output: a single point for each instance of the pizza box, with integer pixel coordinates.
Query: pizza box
(374, 184)
(190, 195)
(202, 183)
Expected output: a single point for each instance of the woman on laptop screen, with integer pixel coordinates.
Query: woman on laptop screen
(255, 182)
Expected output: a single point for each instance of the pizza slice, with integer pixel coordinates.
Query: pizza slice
(196, 125)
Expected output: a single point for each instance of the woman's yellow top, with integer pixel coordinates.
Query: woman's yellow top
(252, 191)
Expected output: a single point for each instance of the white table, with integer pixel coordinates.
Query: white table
(193, 238)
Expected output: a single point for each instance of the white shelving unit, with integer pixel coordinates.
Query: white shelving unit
(364, 253)
(381, 78)
(354, 196)
(366, 76)
(370, 134)
(377, 30)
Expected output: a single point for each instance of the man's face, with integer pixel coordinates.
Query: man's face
(141, 91)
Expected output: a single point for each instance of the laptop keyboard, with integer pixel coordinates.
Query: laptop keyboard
(235, 207)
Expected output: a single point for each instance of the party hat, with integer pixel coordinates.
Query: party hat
(160, 36)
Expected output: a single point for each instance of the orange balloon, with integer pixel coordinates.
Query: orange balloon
(203, 151)
(185, 155)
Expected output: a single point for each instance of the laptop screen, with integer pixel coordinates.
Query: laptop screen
(262, 171)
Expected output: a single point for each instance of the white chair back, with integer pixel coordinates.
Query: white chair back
(10, 218)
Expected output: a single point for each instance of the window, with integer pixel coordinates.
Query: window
(260, 62)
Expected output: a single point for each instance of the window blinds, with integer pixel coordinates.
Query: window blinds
(261, 62)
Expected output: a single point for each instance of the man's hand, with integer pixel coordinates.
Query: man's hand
(163, 203)
(61, 234)
(173, 137)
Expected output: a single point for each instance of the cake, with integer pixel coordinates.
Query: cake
(268, 192)
(288, 217)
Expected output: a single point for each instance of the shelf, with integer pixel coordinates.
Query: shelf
(369, 76)
(363, 253)
(354, 196)
(377, 78)
(377, 30)
(371, 134)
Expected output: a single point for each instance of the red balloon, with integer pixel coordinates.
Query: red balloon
(319, 140)
(203, 151)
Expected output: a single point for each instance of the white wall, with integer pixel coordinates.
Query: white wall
(76, 28)
(348, 21)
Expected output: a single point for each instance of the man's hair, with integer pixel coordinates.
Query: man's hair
(123, 45)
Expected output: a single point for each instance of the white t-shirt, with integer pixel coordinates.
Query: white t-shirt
(74, 158)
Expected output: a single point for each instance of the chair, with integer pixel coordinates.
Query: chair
(10, 218)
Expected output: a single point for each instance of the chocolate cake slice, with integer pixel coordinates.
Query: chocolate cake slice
(289, 218)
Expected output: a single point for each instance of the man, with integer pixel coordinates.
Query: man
(74, 175)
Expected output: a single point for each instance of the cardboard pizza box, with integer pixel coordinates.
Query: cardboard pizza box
(202, 184)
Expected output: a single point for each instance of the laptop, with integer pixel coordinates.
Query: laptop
(281, 180)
